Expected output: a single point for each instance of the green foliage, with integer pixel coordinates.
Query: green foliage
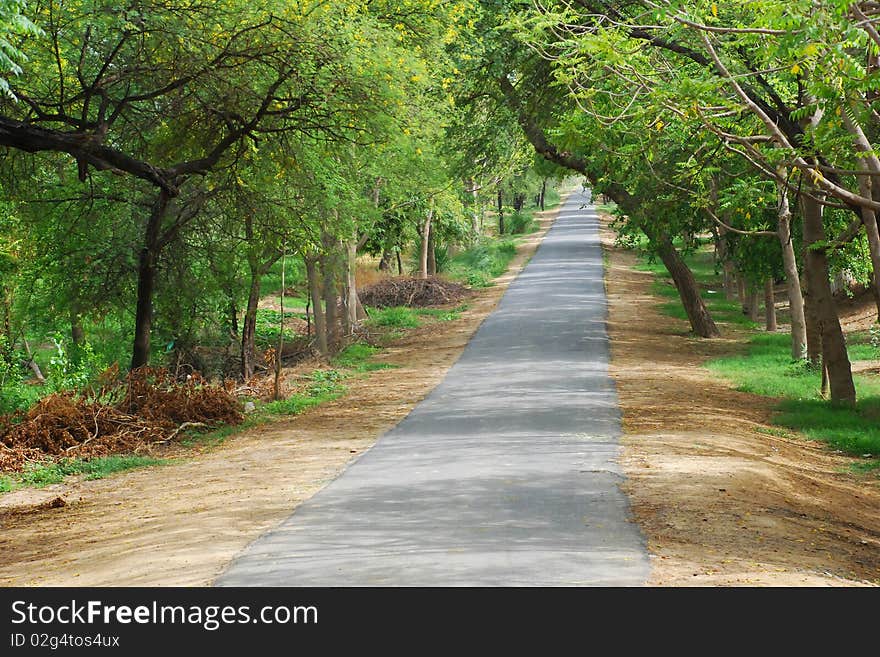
(73, 367)
(394, 316)
(13, 25)
(486, 260)
(520, 223)
(702, 266)
(358, 357)
(268, 325)
(767, 369)
(53, 472)
(294, 276)
(441, 314)
(14, 394)
(325, 381)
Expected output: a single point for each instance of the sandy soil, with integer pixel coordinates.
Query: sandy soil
(720, 502)
(180, 524)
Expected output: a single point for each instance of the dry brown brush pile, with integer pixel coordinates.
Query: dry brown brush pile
(146, 408)
(408, 291)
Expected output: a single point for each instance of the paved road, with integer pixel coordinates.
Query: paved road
(505, 475)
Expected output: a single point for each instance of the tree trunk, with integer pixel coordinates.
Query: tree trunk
(331, 300)
(233, 319)
(869, 163)
(792, 279)
(385, 261)
(727, 267)
(432, 254)
(500, 211)
(317, 309)
(77, 334)
(869, 218)
(741, 291)
(426, 234)
(351, 284)
(279, 350)
(147, 270)
(543, 194)
(701, 321)
(834, 354)
(752, 305)
(769, 305)
(35, 368)
(812, 331)
(399, 264)
(249, 328)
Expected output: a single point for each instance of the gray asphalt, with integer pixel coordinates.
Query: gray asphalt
(505, 475)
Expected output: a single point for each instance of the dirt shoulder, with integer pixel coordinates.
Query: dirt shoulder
(180, 524)
(720, 502)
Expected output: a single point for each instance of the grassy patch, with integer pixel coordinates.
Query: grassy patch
(702, 264)
(442, 315)
(551, 197)
(866, 467)
(296, 404)
(773, 431)
(269, 324)
(37, 475)
(357, 357)
(220, 434)
(106, 465)
(294, 275)
(767, 369)
(521, 223)
(479, 264)
(855, 431)
(396, 316)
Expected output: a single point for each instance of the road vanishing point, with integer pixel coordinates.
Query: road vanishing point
(506, 474)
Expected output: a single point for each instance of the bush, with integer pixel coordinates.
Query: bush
(487, 259)
(396, 316)
(520, 223)
(73, 367)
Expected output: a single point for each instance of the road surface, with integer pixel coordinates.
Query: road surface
(505, 475)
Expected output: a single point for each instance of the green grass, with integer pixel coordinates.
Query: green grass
(443, 315)
(521, 223)
(766, 369)
(701, 263)
(357, 357)
(855, 431)
(866, 467)
(296, 404)
(396, 316)
(37, 475)
(551, 197)
(294, 275)
(268, 325)
(482, 262)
